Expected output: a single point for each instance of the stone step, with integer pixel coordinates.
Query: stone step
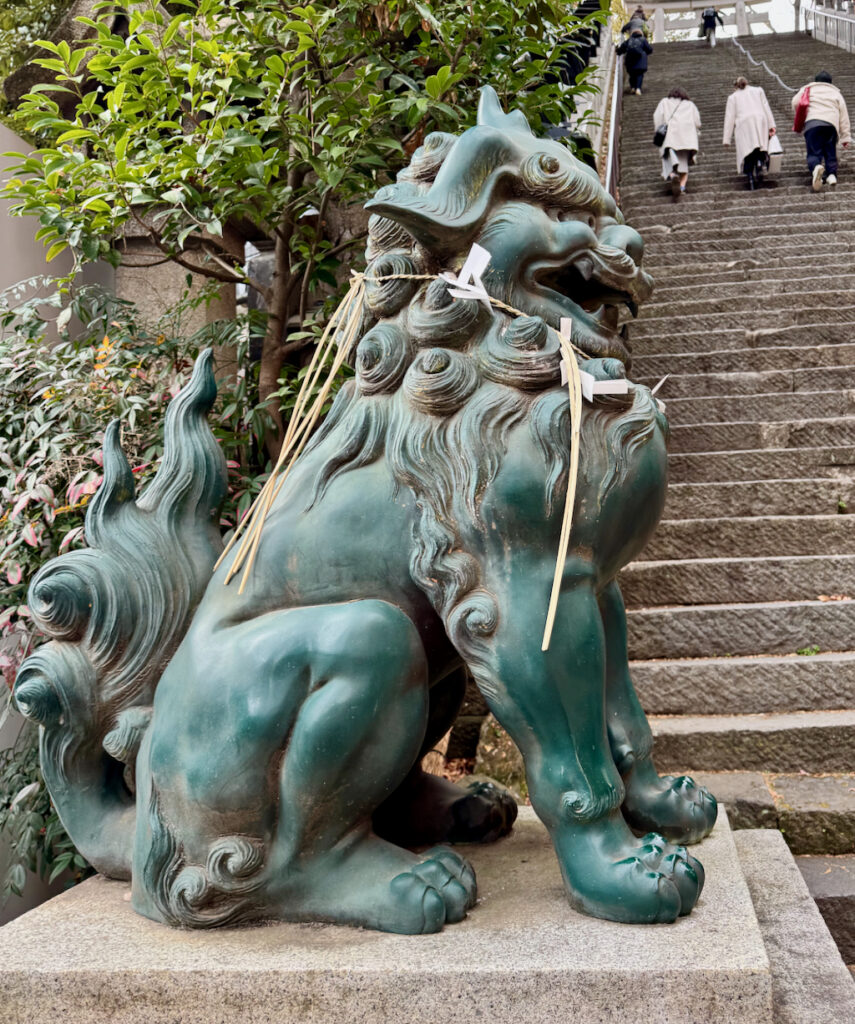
(778, 362)
(746, 685)
(667, 268)
(693, 338)
(778, 406)
(673, 291)
(751, 385)
(752, 536)
(737, 302)
(692, 581)
(746, 315)
(810, 741)
(733, 267)
(830, 462)
(745, 246)
(831, 883)
(760, 498)
(785, 201)
(825, 214)
(810, 982)
(706, 437)
(775, 305)
(716, 177)
(816, 813)
(718, 630)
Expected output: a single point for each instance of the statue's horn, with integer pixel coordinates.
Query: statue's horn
(490, 113)
(462, 194)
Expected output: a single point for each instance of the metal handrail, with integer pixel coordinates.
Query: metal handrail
(612, 153)
(763, 64)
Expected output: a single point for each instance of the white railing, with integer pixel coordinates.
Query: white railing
(831, 27)
(763, 64)
(612, 155)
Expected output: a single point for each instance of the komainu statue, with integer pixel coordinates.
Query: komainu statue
(257, 755)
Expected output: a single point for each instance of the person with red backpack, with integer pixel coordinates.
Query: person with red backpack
(636, 49)
(820, 111)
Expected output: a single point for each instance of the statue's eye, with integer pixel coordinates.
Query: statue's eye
(548, 164)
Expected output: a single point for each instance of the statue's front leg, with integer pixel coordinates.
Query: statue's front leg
(553, 705)
(678, 808)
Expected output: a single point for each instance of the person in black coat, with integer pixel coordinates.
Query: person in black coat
(710, 17)
(635, 49)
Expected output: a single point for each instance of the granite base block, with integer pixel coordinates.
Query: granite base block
(522, 955)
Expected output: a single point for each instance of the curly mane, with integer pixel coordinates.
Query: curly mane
(439, 385)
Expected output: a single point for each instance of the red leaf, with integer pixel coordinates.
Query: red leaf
(91, 486)
(20, 504)
(14, 574)
(28, 535)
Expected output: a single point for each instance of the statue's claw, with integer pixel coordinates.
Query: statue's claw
(678, 808)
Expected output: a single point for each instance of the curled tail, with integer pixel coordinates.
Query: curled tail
(115, 612)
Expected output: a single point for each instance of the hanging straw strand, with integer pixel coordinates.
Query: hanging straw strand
(341, 331)
(574, 388)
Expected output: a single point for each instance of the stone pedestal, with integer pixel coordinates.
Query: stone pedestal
(521, 956)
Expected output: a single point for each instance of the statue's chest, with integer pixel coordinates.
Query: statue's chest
(622, 492)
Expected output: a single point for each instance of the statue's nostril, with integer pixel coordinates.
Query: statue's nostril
(622, 237)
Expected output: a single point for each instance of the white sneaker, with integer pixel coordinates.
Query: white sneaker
(831, 179)
(816, 179)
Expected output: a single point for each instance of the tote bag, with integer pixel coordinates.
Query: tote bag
(776, 155)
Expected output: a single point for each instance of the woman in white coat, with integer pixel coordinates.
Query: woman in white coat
(749, 118)
(680, 148)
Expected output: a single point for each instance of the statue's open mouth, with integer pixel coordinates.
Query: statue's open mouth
(594, 289)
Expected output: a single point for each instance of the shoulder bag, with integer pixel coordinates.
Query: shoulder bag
(801, 111)
(662, 130)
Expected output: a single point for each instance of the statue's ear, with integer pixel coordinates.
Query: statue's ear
(462, 194)
(490, 113)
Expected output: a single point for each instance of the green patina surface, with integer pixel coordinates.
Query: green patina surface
(257, 754)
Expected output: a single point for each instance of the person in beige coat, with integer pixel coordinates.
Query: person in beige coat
(827, 121)
(680, 148)
(749, 118)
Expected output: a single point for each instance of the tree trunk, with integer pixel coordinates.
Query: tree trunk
(273, 347)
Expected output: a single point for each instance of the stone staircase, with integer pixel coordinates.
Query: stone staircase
(742, 610)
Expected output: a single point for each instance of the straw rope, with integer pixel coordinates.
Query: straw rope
(574, 391)
(345, 322)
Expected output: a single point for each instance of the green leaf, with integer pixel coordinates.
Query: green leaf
(55, 250)
(75, 133)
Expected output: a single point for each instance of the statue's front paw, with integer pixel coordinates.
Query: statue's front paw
(441, 874)
(681, 810)
(641, 881)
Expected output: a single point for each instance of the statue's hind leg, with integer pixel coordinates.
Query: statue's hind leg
(676, 807)
(428, 809)
(355, 737)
